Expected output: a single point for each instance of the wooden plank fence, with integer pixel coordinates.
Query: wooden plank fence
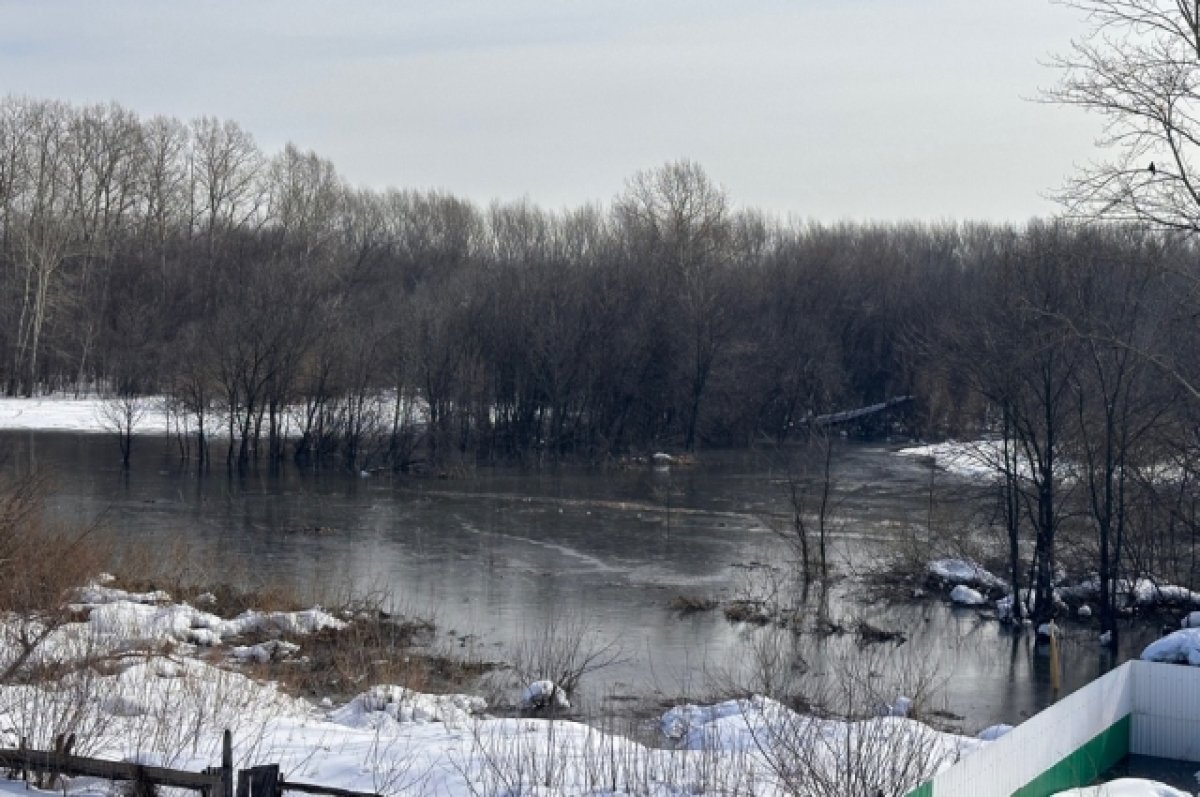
(260, 781)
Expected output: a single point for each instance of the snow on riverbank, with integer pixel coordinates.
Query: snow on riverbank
(966, 572)
(977, 459)
(1180, 647)
(65, 414)
(94, 414)
(1137, 592)
(968, 581)
(983, 460)
(158, 697)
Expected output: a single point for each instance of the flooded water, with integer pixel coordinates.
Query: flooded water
(503, 554)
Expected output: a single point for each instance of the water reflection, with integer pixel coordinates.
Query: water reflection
(504, 553)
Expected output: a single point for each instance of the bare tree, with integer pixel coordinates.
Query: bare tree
(227, 192)
(678, 217)
(808, 478)
(41, 232)
(121, 414)
(1138, 67)
(102, 171)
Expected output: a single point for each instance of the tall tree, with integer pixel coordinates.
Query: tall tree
(678, 220)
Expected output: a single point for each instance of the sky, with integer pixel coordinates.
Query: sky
(826, 110)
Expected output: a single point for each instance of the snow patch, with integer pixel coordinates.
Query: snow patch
(386, 704)
(541, 694)
(1179, 647)
(263, 652)
(965, 596)
(993, 732)
(1137, 592)
(183, 623)
(964, 571)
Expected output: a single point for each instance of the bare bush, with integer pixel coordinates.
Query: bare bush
(526, 757)
(122, 414)
(866, 745)
(563, 651)
(40, 564)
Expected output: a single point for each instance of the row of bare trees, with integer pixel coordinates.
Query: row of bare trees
(298, 316)
(271, 301)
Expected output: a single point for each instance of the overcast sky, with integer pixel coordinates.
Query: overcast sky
(838, 109)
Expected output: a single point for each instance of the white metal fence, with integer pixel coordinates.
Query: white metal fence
(1141, 707)
(1166, 711)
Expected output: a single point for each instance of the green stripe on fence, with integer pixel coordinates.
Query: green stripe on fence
(924, 790)
(1084, 765)
(1097, 756)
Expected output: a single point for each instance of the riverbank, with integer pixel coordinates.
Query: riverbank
(145, 678)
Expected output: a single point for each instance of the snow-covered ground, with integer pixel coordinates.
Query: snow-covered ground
(1180, 647)
(93, 413)
(971, 459)
(967, 581)
(65, 414)
(965, 572)
(167, 685)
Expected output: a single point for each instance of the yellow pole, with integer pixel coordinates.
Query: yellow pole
(1055, 676)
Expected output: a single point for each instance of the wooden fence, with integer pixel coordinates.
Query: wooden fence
(260, 781)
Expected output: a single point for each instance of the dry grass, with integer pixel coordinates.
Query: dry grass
(182, 572)
(374, 649)
(691, 604)
(41, 564)
(748, 611)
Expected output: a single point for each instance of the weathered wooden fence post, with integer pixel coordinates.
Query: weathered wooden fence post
(265, 781)
(260, 781)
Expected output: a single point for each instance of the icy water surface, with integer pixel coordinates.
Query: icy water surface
(499, 555)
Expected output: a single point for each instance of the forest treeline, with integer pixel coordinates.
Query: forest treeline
(261, 292)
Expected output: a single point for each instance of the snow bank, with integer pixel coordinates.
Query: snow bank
(1126, 787)
(263, 652)
(993, 732)
(398, 704)
(184, 623)
(143, 617)
(96, 594)
(982, 460)
(171, 709)
(1180, 647)
(679, 722)
(540, 694)
(965, 596)
(750, 724)
(65, 414)
(964, 571)
(971, 460)
(1137, 592)
(394, 740)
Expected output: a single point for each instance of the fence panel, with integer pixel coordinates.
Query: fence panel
(1166, 719)
(1073, 735)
